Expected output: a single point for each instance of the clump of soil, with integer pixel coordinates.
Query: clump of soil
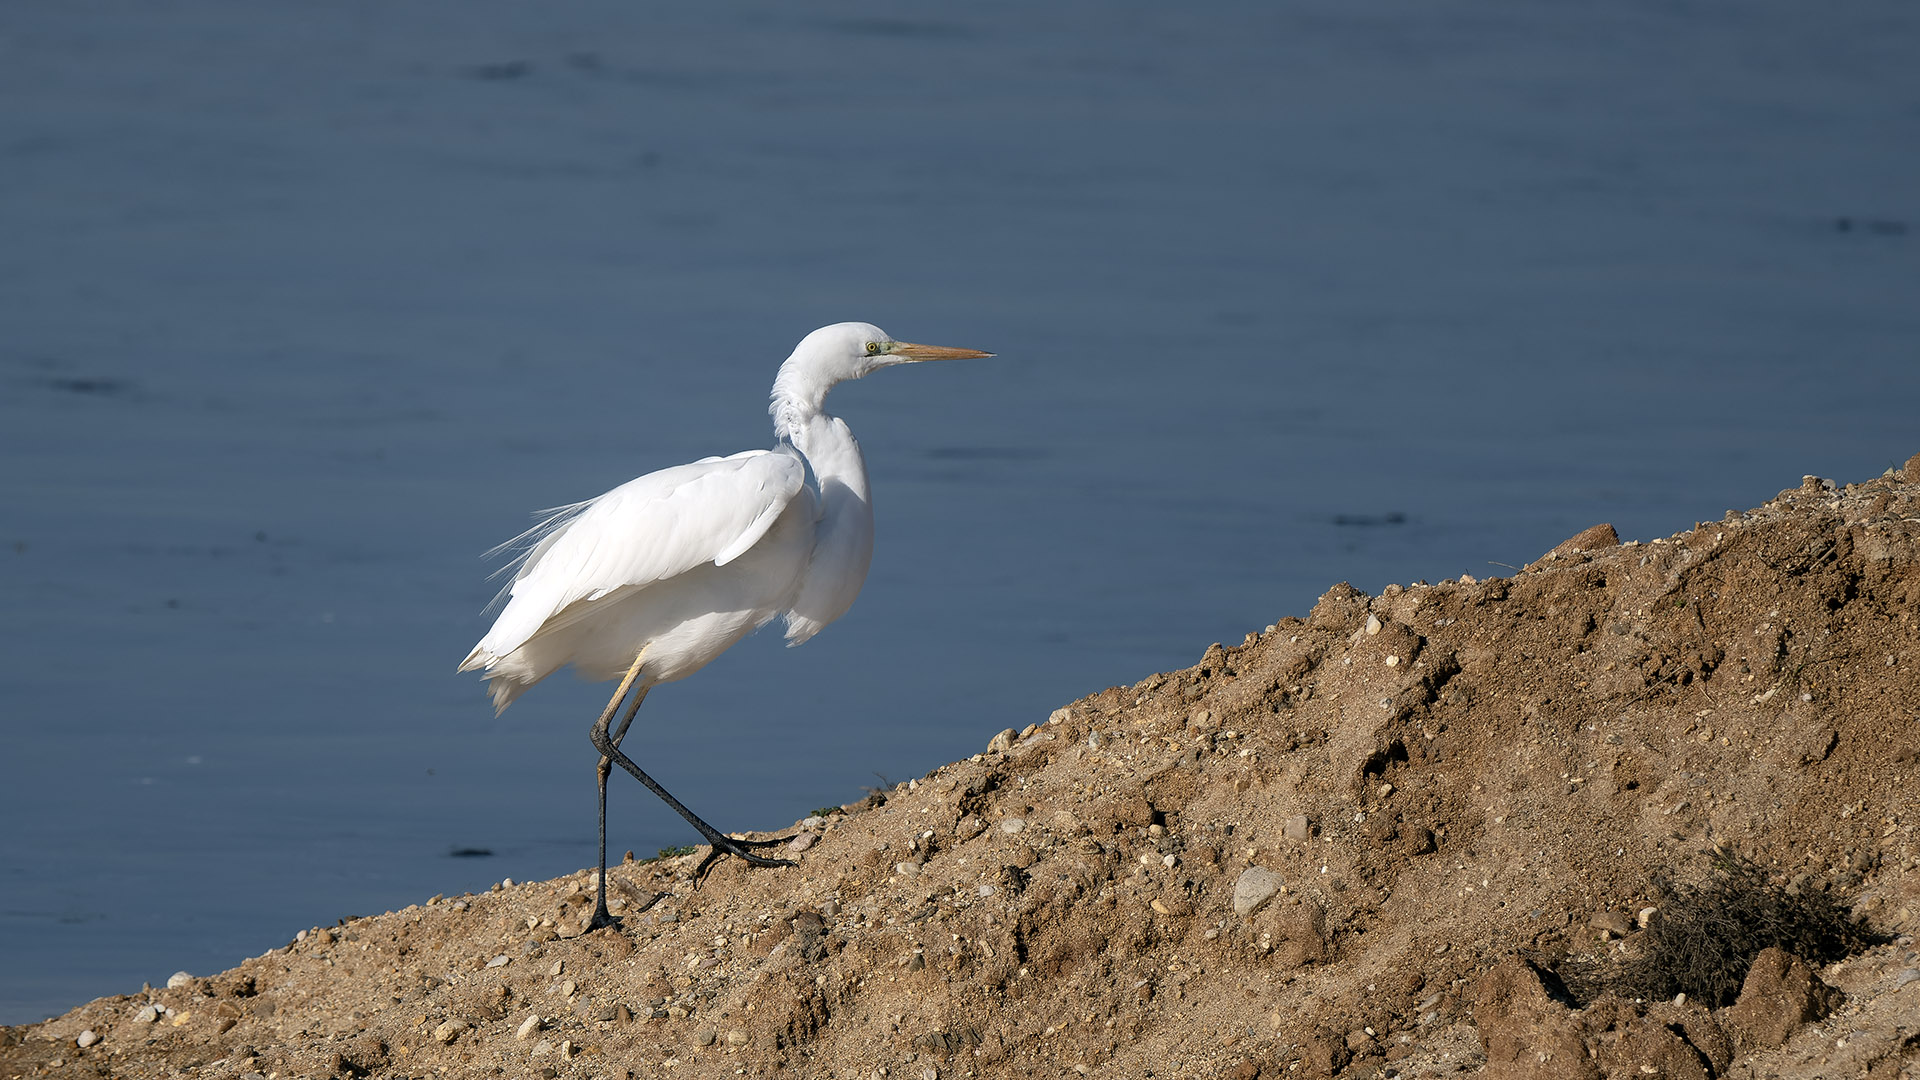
(1356, 843)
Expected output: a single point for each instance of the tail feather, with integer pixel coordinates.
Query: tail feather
(504, 690)
(503, 687)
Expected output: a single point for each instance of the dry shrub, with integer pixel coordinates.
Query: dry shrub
(1703, 938)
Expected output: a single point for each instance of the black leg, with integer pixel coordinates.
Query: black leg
(601, 916)
(721, 844)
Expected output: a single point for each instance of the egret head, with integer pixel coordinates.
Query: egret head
(850, 350)
(834, 354)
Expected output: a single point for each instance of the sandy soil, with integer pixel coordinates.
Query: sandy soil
(1349, 845)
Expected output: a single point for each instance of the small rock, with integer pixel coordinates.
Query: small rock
(500, 961)
(1373, 625)
(527, 1027)
(541, 1048)
(1013, 825)
(448, 1031)
(87, 1038)
(986, 890)
(179, 979)
(1297, 827)
(736, 1037)
(802, 841)
(907, 869)
(1645, 916)
(1612, 920)
(1592, 538)
(147, 1015)
(1002, 742)
(1255, 886)
(1173, 904)
(705, 1037)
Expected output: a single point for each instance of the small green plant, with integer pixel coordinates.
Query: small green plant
(824, 811)
(671, 853)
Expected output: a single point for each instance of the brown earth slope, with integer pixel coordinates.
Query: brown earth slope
(1351, 844)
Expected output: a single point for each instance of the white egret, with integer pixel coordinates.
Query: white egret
(652, 580)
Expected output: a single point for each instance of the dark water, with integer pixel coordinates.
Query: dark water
(303, 306)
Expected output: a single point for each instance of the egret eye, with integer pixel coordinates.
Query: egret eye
(873, 348)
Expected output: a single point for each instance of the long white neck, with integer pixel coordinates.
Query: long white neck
(843, 536)
(799, 397)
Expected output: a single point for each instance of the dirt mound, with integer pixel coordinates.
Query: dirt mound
(1362, 843)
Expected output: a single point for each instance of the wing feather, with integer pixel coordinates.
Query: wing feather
(648, 529)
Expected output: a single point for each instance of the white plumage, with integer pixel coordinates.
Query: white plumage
(665, 572)
(645, 561)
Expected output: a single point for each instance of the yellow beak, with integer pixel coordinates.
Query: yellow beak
(908, 351)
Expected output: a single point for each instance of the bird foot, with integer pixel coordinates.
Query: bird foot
(774, 842)
(727, 845)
